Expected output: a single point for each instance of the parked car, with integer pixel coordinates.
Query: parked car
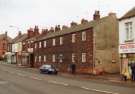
(48, 69)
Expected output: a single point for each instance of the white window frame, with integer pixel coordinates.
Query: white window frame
(39, 58)
(61, 40)
(40, 44)
(83, 36)
(73, 38)
(45, 42)
(73, 57)
(61, 59)
(53, 58)
(129, 30)
(53, 42)
(83, 57)
(35, 45)
(45, 58)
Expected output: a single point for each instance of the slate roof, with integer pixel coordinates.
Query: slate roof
(72, 29)
(129, 14)
(20, 38)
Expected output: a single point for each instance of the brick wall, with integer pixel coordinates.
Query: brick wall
(67, 48)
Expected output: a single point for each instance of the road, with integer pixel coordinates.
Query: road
(21, 81)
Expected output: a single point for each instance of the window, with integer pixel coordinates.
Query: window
(35, 45)
(44, 58)
(39, 58)
(54, 42)
(83, 36)
(129, 31)
(61, 58)
(83, 57)
(73, 57)
(61, 40)
(40, 44)
(44, 43)
(73, 38)
(53, 58)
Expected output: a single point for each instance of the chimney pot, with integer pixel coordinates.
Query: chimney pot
(96, 15)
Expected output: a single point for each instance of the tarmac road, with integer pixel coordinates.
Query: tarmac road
(15, 81)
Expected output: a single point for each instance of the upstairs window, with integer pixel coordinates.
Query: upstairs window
(44, 43)
(73, 38)
(40, 44)
(61, 40)
(54, 42)
(129, 31)
(35, 45)
(83, 36)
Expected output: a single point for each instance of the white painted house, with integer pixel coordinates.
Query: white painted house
(127, 39)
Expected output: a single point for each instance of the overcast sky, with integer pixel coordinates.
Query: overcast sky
(46, 13)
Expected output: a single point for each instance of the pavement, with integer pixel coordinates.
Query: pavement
(20, 80)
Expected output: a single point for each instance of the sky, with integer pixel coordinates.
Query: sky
(20, 15)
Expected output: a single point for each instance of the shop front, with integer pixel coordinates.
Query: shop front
(127, 58)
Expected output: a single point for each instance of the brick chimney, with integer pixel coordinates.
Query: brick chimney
(73, 24)
(51, 29)
(30, 33)
(83, 21)
(36, 30)
(44, 31)
(19, 34)
(57, 28)
(96, 15)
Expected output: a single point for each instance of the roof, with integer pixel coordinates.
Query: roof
(20, 38)
(129, 14)
(72, 29)
(4, 36)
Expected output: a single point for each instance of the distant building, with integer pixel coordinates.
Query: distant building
(127, 39)
(91, 46)
(4, 40)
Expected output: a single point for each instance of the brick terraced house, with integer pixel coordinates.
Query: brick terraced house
(91, 46)
(4, 40)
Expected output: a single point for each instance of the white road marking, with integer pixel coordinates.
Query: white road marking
(102, 91)
(35, 78)
(59, 83)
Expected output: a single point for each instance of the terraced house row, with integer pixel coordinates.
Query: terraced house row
(91, 45)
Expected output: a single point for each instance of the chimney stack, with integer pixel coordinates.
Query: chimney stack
(96, 15)
(51, 29)
(57, 28)
(30, 32)
(36, 30)
(73, 24)
(83, 21)
(19, 34)
(44, 31)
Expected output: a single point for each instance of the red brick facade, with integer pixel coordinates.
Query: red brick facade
(66, 49)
